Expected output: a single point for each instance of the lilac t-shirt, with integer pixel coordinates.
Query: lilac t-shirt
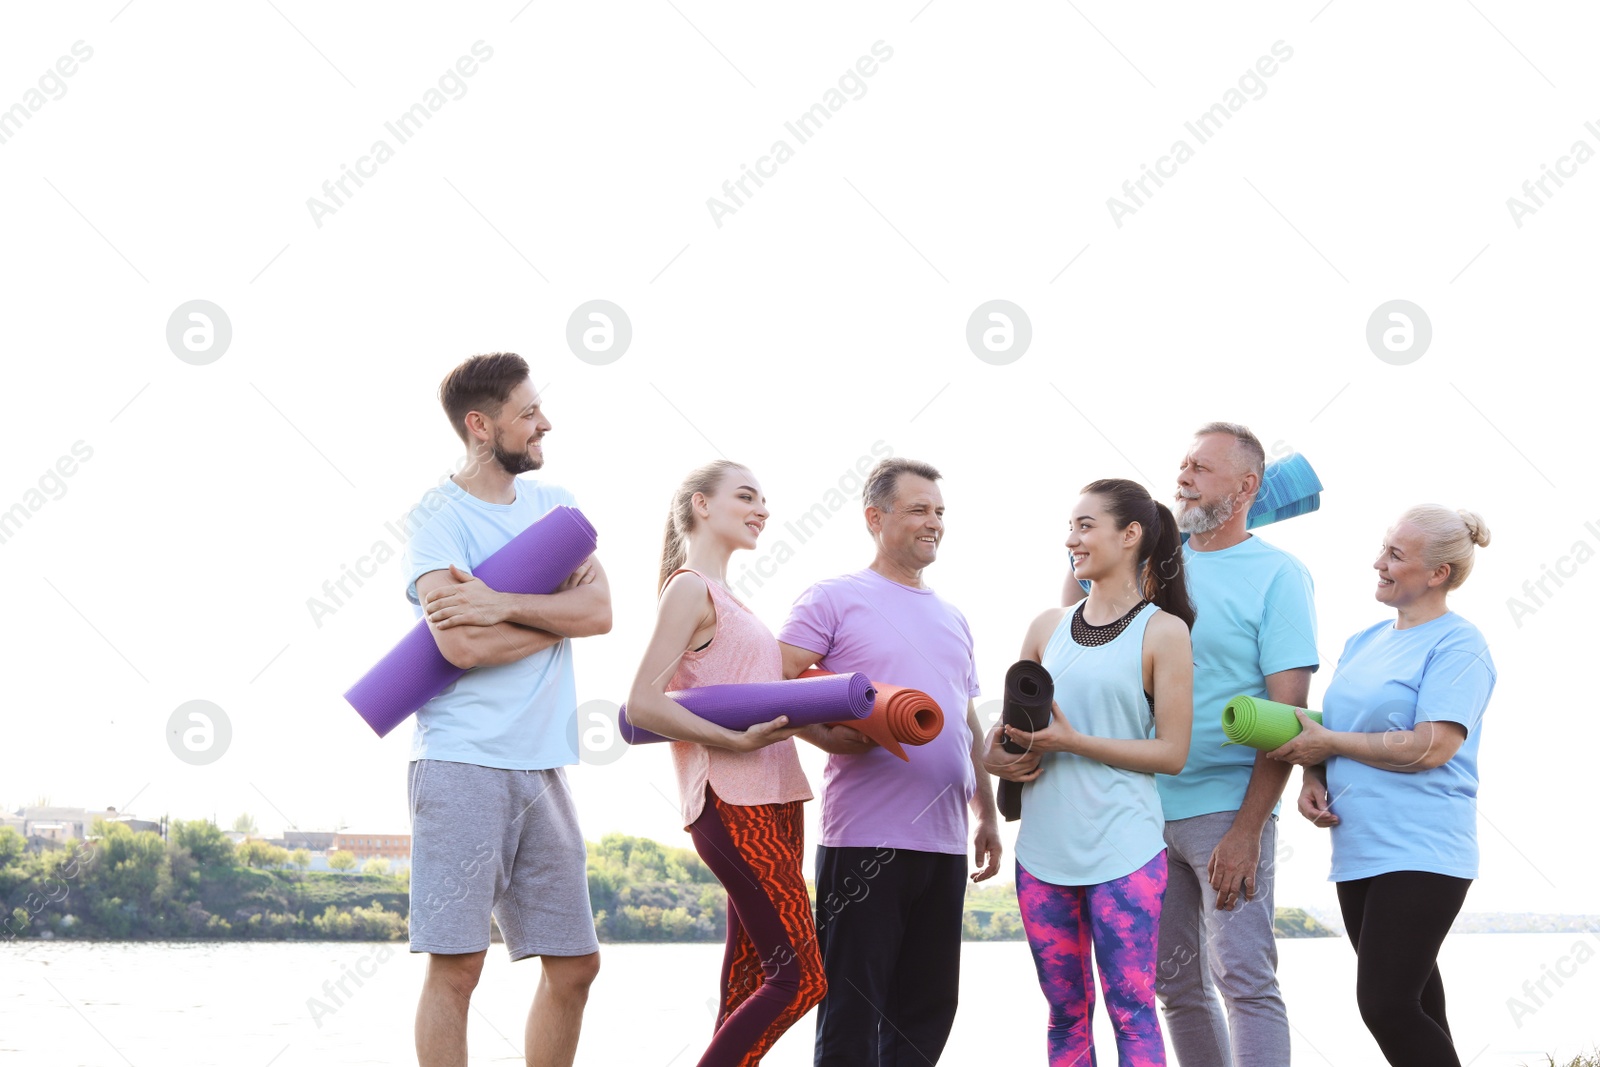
(896, 635)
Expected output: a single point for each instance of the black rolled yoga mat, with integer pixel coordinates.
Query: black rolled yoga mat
(1025, 705)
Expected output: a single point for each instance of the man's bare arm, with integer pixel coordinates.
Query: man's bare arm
(467, 645)
(580, 608)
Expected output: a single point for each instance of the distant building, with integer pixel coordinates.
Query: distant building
(55, 824)
(366, 846)
(310, 840)
(136, 824)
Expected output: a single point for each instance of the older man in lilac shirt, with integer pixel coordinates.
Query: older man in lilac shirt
(891, 868)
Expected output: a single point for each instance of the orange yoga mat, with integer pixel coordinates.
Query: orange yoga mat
(900, 716)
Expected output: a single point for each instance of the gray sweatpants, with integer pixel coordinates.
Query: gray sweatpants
(1204, 951)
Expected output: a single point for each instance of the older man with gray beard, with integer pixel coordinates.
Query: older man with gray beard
(1254, 633)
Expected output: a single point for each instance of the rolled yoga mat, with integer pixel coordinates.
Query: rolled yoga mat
(537, 560)
(1025, 704)
(1289, 487)
(1262, 724)
(900, 716)
(806, 701)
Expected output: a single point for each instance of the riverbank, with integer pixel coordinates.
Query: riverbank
(195, 885)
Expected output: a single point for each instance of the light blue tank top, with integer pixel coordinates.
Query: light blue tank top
(1083, 822)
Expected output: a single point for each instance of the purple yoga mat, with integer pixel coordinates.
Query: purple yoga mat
(807, 701)
(537, 560)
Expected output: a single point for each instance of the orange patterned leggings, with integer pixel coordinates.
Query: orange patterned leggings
(771, 969)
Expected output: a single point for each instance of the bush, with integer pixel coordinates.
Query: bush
(254, 853)
(209, 846)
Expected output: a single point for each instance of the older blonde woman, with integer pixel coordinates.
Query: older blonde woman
(1398, 752)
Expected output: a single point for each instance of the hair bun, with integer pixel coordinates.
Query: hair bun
(1477, 529)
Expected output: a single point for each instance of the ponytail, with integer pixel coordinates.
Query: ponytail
(673, 551)
(1160, 552)
(680, 514)
(1164, 583)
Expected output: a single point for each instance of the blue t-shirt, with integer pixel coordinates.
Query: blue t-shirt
(520, 716)
(1253, 617)
(1390, 679)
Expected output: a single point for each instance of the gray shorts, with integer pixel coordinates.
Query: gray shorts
(488, 840)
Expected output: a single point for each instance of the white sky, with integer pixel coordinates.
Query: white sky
(826, 314)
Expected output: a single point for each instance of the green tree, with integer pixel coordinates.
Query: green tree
(260, 854)
(675, 923)
(375, 865)
(245, 824)
(130, 863)
(12, 845)
(1006, 927)
(208, 845)
(341, 860)
(301, 858)
(1297, 922)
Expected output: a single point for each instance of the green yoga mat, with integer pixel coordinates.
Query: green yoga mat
(1260, 723)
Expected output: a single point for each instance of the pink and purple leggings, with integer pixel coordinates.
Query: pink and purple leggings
(1122, 920)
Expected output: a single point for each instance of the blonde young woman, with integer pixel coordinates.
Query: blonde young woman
(1393, 770)
(741, 791)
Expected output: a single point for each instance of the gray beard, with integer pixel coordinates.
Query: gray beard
(1199, 519)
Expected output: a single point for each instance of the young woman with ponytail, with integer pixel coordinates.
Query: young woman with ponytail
(1091, 861)
(741, 791)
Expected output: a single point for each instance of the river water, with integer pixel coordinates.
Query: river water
(255, 1004)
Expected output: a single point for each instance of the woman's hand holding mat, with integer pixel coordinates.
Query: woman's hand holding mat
(803, 701)
(1312, 746)
(1054, 736)
(900, 716)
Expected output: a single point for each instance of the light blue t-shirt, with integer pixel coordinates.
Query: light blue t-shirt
(1390, 679)
(520, 716)
(1085, 822)
(1253, 616)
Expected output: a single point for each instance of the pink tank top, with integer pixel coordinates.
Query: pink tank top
(741, 650)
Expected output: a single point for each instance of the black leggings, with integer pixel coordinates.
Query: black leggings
(1396, 922)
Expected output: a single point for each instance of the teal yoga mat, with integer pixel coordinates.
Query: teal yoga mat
(1289, 487)
(1260, 723)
